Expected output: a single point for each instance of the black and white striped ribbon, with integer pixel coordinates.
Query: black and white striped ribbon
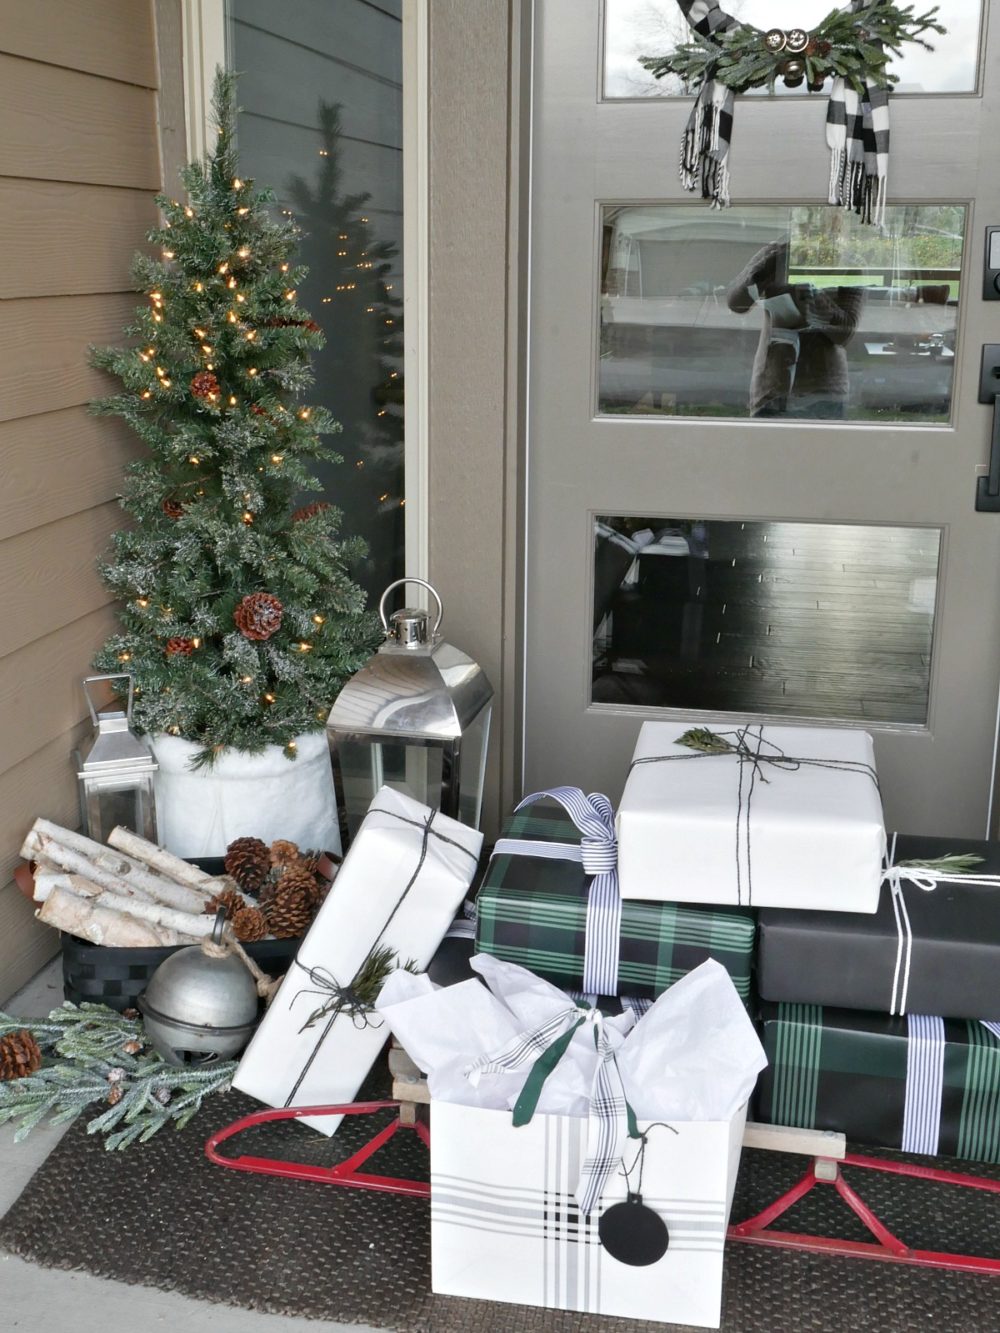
(594, 816)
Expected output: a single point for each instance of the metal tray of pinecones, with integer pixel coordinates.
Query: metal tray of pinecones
(277, 891)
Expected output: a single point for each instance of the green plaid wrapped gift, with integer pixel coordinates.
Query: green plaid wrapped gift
(532, 910)
(916, 1083)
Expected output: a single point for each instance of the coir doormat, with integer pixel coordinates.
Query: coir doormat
(161, 1215)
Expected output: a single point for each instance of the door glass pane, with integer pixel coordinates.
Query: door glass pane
(634, 28)
(787, 619)
(778, 311)
(322, 125)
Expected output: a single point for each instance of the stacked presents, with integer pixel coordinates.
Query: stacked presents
(588, 1101)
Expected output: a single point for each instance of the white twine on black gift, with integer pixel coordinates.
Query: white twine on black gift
(926, 878)
(753, 759)
(343, 999)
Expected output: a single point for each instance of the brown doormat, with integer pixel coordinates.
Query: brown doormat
(161, 1215)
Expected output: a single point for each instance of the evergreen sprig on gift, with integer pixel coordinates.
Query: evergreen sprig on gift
(93, 1054)
(239, 620)
(856, 46)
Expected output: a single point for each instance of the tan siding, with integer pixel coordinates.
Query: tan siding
(48, 252)
(64, 126)
(58, 463)
(79, 163)
(113, 38)
(43, 350)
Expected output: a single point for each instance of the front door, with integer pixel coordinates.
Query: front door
(754, 433)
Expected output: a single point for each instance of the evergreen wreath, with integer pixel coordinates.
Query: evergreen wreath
(852, 44)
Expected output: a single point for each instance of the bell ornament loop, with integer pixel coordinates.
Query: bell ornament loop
(407, 624)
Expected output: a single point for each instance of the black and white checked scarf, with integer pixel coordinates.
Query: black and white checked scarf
(857, 131)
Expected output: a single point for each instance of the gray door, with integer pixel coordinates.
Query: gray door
(754, 433)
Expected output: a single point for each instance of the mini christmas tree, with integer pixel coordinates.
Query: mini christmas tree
(239, 620)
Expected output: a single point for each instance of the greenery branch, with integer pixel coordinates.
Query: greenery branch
(854, 46)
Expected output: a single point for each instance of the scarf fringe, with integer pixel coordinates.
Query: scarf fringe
(703, 151)
(855, 187)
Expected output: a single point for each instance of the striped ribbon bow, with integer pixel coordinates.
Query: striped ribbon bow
(594, 816)
(611, 1119)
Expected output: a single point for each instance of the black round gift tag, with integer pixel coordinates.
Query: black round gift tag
(633, 1234)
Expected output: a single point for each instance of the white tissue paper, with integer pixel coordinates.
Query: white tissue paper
(505, 1219)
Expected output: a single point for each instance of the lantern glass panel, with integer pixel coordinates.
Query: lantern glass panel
(109, 804)
(409, 767)
(475, 742)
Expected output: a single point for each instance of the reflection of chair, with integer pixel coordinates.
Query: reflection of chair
(936, 293)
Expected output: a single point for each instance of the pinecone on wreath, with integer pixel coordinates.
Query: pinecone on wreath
(248, 860)
(290, 911)
(258, 616)
(19, 1055)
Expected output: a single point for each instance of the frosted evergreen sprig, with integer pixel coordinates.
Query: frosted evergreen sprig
(94, 1054)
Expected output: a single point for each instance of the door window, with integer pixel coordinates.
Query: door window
(780, 312)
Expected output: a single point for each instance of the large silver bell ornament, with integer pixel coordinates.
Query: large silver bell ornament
(199, 1009)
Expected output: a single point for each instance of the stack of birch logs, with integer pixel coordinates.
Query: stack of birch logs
(128, 894)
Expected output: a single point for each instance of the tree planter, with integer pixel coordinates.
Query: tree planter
(266, 795)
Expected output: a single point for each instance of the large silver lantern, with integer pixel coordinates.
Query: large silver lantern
(116, 776)
(416, 717)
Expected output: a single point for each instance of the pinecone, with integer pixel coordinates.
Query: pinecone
(132, 1047)
(179, 646)
(19, 1055)
(309, 511)
(299, 877)
(172, 508)
(248, 861)
(115, 1093)
(232, 901)
(204, 384)
(250, 924)
(285, 853)
(290, 911)
(258, 615)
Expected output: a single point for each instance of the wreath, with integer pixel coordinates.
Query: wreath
(852, 45)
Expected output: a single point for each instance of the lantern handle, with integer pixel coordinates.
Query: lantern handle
(423, 584)
(120, 675)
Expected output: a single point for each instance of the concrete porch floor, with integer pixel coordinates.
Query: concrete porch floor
(39, 1300)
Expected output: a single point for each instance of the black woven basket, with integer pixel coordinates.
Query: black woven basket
(116, 977)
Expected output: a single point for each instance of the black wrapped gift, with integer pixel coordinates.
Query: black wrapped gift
(925, 1085)
(931, 950)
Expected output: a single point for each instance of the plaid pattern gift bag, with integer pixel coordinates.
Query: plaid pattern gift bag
(918, 1083)
(536, 908)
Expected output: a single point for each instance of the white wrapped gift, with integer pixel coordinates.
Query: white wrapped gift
(523, 1210)
(398, 889)
(786, 817)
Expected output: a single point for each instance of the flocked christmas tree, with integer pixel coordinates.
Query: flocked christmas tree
(239, 620)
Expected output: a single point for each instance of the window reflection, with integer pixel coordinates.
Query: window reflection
(785, 619)
(771, 311)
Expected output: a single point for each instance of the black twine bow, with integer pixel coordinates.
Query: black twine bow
(338, 999)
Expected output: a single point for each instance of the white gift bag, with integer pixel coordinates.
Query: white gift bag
(399, 887)
(201, 811)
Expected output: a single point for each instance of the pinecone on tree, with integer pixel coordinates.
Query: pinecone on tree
(248, 860)
(172, 508)
(19, 1055)
(290, 911)
(232, 901)
(258, 615)
(204, 385)
(309, 510)
(250, 924)
(179, 646)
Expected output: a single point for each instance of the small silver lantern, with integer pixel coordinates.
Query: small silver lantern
(416, 717)
(116, 777)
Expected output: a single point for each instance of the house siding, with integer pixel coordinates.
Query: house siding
(80, 163)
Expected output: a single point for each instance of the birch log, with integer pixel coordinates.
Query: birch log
(140, 849)
(111, 869)
(81, 917)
